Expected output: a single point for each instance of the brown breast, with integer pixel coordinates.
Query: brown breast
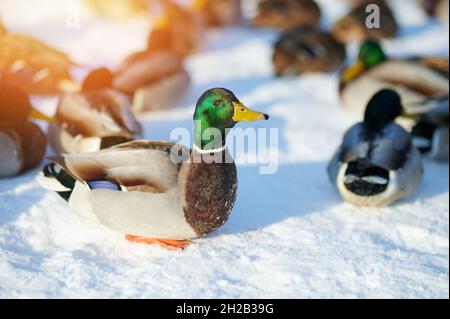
(208, 192)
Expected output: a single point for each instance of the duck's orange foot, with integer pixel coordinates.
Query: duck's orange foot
(165, 243)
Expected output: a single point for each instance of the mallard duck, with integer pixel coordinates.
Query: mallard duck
(422, 84)
(96, 118)
(430, 132)
(32, 65)
(352, 27)
(176, 29)
(377, 162)
(436, 8)
(286, 14)
(218, 12)
(305, 49)
(159, 192)
(22, 143)
(156, 80)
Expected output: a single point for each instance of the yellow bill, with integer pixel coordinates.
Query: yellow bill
(244, 114)
(353, 71)
(41, 116)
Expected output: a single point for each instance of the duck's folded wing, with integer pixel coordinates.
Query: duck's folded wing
(144, 166)
(388, 149)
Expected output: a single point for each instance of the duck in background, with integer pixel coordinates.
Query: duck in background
(95, 118)
(422, 83)
(176, 29)
(305, 50)
(436, 8)
(155, 80)
(217, 13)
(119, 9)
(33, 66)
(22, 142)
(287, 14)
(377, 162)
(352, 27)
(158, 192)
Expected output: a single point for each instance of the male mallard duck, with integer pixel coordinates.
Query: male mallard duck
(155, 80)
(22, 143)
(159, 192)
(436, 8)
(305, 49)
(286, 14)
(96, 118)
(422, 84)
(377, 162)
(352, 27)
(33, 66)
(176, 29)
(218, 12)
(416, 80)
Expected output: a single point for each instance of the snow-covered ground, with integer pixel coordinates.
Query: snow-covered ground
(290, 235)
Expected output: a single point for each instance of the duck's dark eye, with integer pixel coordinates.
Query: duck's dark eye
(217, 102)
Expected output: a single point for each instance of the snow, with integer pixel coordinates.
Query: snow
(289, 235)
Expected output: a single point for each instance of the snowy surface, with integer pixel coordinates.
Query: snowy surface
(290, 235)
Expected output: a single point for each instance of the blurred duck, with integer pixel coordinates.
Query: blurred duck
(119, 9)
(176, 29)
(33, 66)
(419, 81)
(156, 80)
(352, 27)
(306, 49)
(140, 189)
(94, 119)
(287, 14)
(436, 8)
(22, 143)
(216, 13)
(377, 162)
(422, 84)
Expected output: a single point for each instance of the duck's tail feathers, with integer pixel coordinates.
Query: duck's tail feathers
(56, 179)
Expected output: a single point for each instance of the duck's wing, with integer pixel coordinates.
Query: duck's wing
(412, 76)
(103, 113)
(439, 64)
(387, 148)
(144, 166)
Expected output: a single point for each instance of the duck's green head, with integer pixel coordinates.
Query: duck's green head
(370, 54)
(217, 110)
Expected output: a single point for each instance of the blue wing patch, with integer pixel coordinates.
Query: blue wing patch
(103, 185)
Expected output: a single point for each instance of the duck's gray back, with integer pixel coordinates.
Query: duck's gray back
(387, 148)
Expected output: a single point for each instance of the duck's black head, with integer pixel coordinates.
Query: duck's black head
(383, 108)
(15, 105)
(16, 108)
(98, 79)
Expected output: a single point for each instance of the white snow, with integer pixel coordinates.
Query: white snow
(290, 235)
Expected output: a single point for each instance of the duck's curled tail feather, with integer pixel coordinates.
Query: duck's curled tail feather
(56, 179)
